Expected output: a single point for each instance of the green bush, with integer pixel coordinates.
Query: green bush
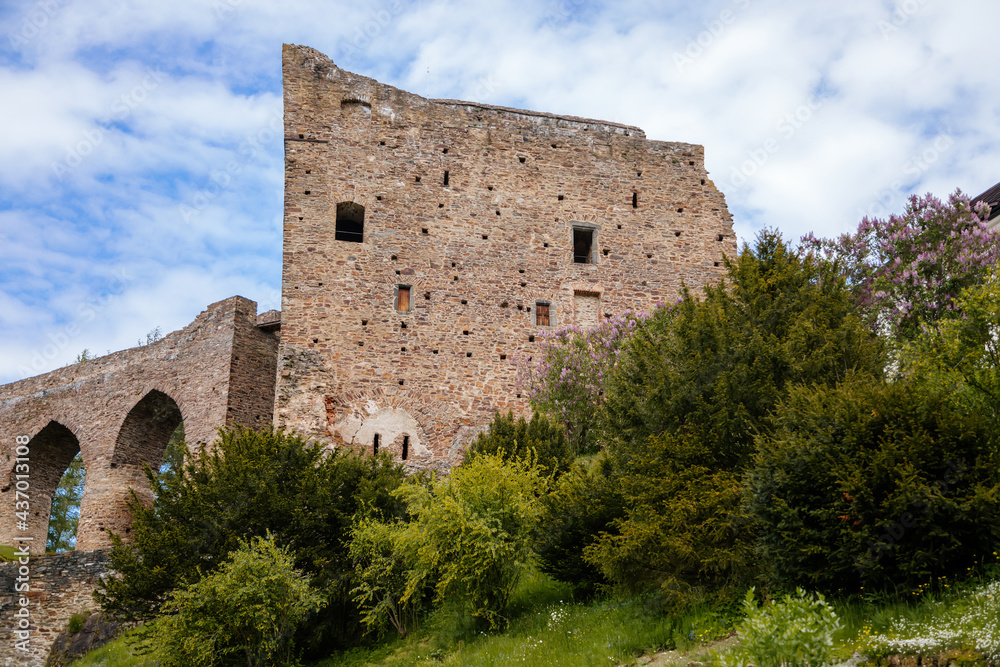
(244, 613)
(583, 503)
(251, 484)
(795, 632)
(382, 575)
(76, 621)
(470, 534)
(881, 486)
(539, 438)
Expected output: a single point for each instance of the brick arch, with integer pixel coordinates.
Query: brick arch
(50, 451)
(146, 429)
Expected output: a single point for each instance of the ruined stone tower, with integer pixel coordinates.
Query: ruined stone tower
(429, 243)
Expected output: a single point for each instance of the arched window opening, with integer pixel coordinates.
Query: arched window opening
(64, 518)
(147, 430)
(350, 222)
(52, 453)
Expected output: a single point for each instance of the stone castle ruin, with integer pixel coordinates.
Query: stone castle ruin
(429, 245)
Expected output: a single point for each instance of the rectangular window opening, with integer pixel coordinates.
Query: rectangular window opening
(446, 178)
(375, 444)
(406, 439)
(403, 299)
(542, 314)
(583, 245)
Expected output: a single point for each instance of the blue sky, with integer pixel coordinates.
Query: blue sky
(141, 155)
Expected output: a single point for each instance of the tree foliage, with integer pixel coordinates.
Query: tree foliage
(65, 516)
(248, 485)
(537, 439)
(244, 613)
(912, 267)
(566, 378)
(875, 485)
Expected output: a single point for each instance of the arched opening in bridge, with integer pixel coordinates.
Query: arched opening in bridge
(147, 431)
(53, 451)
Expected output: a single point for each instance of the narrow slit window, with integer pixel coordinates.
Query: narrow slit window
(635, 200)
(542, 314)
(583, 245)
(375, 444)
(406, 440)
(403, 298)
(350, 222)
(446, 178)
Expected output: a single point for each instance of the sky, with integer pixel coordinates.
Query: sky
(141, 166)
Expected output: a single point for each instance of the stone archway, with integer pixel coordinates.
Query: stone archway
(141, 441)
(50, 452)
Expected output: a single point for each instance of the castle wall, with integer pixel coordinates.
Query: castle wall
(120, 410)
(479, 248)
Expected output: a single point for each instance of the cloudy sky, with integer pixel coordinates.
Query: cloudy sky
(141, 152)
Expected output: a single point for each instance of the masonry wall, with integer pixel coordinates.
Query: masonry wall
(474, 208)
(119, 412)
(58, 586)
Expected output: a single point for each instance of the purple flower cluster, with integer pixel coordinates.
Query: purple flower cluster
(566, 379)
(912, 267)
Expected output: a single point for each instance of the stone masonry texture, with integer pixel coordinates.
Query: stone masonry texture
(475, 209)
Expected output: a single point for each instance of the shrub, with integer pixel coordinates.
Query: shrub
(507, 437)
(382, 574)
(795, 632)
(470, 534)
(76, 621)
(878, 486)
(582, 504)
(244, 613)
(251, 484)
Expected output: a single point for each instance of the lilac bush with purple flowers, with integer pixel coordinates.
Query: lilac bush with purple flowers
(566, 379)
(912, 267)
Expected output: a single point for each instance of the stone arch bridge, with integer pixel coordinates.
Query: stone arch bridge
(119, 412)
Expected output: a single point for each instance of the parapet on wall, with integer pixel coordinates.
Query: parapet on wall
(428, 244)
(120, 410)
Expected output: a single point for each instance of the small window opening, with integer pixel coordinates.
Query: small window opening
(435, 351)
(440, 205)
(364, 323)
(521, 160)
(361, 343)
(424, 231)
(490, 188)
(427, 296)
(691, 162)
(531, 339)
(649, 255)
(542, 314)
(302, 136)
(520, 270)
(635, 200)
(406, 438)
(503, 357)
(403, 299)
(308, 192)
(703, 181)
(402, 325)
(545, 245)
(485, 236)
(677, 233)
(468, 355)
(394, 258)
(465, 301)
(605, 251)
(524, 284)
(316, 340)
(417, 179)
(638, 174)
(715, 263)
(498, 211)
(445, 151)
(378, 197)
(381, 143)
(453, 265)
(680, 210)
(446, 178)
(455, 278)
(309, 171)
(583, 243)
(720, 237)
(554, 146)
(561, 197)
(401, 383)
(350, 222)
(465, 332)
(375, 442)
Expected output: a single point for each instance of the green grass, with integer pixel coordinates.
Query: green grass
(547, 628)
(118, 653)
